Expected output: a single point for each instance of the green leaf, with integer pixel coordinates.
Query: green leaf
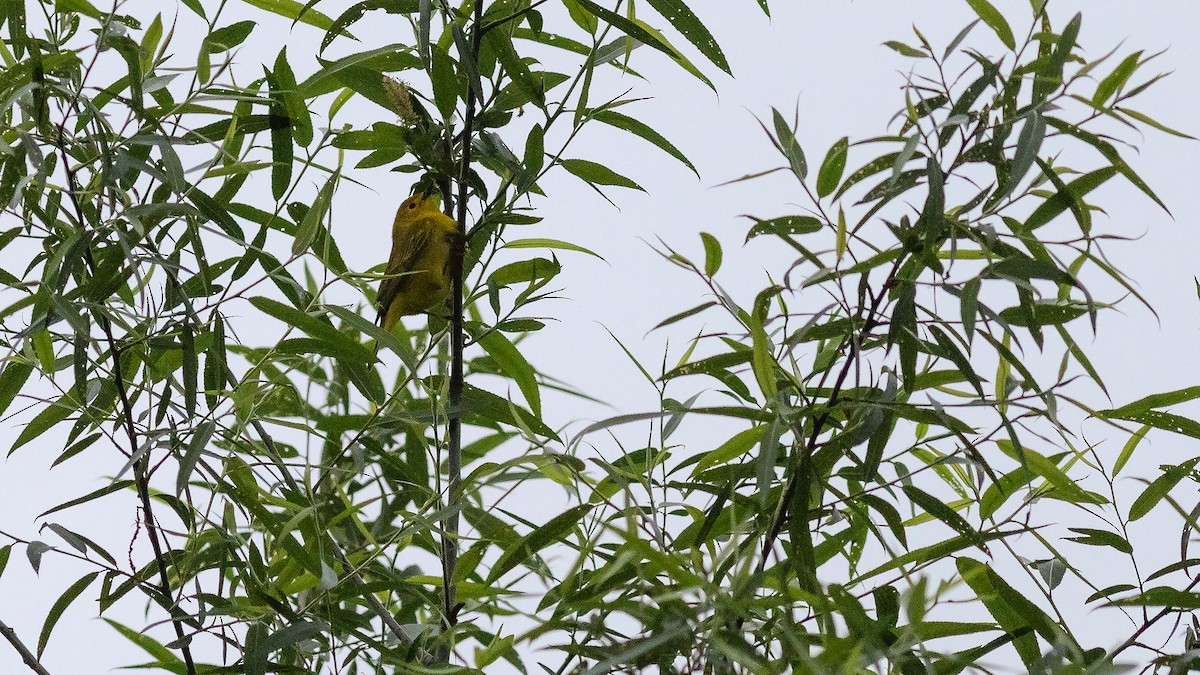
(1146, 119)
(1166, 421)
(79, 7)
(368, 64)
(513, 364)
(467, 60)
(356, 12)
(762, 361)
(289, 91)
(681, 17)
(998, 492)
(1109, 591)
(295, 11)
(890, 515)
(195, 447)
(737, 445)
(995, 20)
(534, 157)
(1029, 142)
(905, 50)
(115, 486)
(54, 413)
(938, 509)
(785, 225)
(164, 656)
(1044, 314)
(340, 343)
(515, 67)
(875, 166)
(1050, 75)
(969, 306)
(597, 174)
(1150, 402)
(313, 221)
(839, 245)
(644, 132)
(642, 33)
(983, 582)
(501, 410)
(60, 605)
(962, 35)
(832, 167)
(226, 38)
(1161, 596)
(933, 552)
(1159, 488)
(785, 140)
(216, 212)
(1041, 622)
(951, 351)
(1126, 452)
(1093, 537)
(712, 254)
(281, 140)
(558, 244)
(1110, 153)
(1116, 79)
(540, 538)
(1065, 487)
(254, 659)
(293, 633)
(535, 270)
(15, 374)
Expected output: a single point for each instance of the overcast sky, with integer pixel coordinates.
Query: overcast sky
(824, 57)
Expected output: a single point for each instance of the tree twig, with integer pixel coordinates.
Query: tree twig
(26, 655)
(450, 604)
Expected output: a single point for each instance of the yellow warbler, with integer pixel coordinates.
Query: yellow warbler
(417, 269)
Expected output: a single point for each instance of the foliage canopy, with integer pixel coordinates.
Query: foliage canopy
(315, 494)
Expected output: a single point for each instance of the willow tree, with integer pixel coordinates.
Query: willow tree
(312, 493)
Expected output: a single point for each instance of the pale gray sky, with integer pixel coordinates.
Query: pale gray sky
(824, 57)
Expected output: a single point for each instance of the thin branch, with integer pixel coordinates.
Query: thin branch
(450, 604)
(26, 655)
(141, 474)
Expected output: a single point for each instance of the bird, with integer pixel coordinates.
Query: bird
(417, 273)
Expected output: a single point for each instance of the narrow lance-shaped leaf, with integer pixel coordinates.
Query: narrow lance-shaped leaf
(977, 576)
(785, 140)
(644, 132)
(1159, 488)
(832, 167)
(311, 225)
(688, 24)
(642, 33)
(1116, 79)
(296, 11)
(712, 253)
(1029, 142)
(513, 364)
(995, 20)
(56, 610)
(597, 174)
(281, 139)
(532, 543)
(1064, 199)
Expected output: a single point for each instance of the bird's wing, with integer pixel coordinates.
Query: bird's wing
(405, 250)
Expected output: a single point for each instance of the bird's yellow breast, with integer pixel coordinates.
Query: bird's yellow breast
(422, 238)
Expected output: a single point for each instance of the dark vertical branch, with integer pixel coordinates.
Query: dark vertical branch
(141, 465)
(454, 434)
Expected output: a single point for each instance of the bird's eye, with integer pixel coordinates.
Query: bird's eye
(412, 205)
